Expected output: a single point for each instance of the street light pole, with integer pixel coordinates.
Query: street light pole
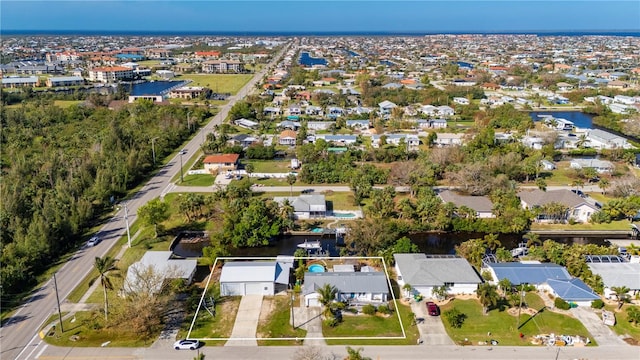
(126, 221)
(55, 284)
(181, 175)
(153, 149)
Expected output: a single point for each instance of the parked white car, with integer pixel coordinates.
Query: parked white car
(186, 344)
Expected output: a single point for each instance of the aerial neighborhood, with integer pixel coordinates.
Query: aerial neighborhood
(437, 190)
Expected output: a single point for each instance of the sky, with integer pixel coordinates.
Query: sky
(346, 16)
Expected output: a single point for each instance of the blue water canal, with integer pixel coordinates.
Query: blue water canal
(579, 119)
(307, 60)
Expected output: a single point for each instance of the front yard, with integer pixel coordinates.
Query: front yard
(275, 321)
(500, 325)
(623, 326)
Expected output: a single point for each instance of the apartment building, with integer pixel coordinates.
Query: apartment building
(110, 74)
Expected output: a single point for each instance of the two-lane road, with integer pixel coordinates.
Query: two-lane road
(19, 335)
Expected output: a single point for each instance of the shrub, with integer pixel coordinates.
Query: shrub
(384, 309)
(561, 304)
(597, 304)
(455, 318)
(369, 309)
(331, 322)
(486, 275)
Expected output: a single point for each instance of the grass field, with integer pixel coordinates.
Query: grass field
(503, 326)
(219, 326)
(219, 83)
(614, 225)
(623, 326)
(199, 180)
(276, 324)
(270, 166)
(66, 103)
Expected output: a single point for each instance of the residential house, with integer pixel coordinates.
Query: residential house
(246, 123)
(163, 266)
(338, 139)
(577, 207)
(187, 92)
(412, 141)
(358, 124)
(239, 278)
(335, 112)
(18, 82)
(448, 139)
(369, 287)
(431, 124)
(445, 111)
(386, 107)
(547, 165)
(243, 140)
(216, 163)
(461, 100)
(601, 166)
(615, 272)
(287, 137)
(271, 111)
(482, 205)
(313, 110)
(305, 206)
(600, 139)
(290, 125)
(549, 277)
(426, 272)
(319, 125)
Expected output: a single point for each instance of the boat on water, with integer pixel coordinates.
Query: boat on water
(521, 250)
(310, 245)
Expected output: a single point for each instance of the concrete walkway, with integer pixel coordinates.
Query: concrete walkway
(310, 319)
(246, 324)
(432, 331)
(603, 335)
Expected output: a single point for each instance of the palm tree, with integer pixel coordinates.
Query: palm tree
(249, 168)
(621, 293)
(603, 184)
(488, 296)
(105, 265)
(291, 179)
(327, 294)
(491, 241)
(533, 239)
(408, 290)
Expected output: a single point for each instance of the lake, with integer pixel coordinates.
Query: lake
(579, 119)
(307, 60)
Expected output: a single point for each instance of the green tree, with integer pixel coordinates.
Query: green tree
(153, 213)
(621, 293)
(633, 315)
(249, 168)
(440, 292)
(291, 179)
(604, 185)
(327, 294)
(105, 265)
(355, 354)
(488, 296)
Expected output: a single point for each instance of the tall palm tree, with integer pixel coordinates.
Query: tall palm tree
(621, 293)
(488, 296)
(104, 266)
(603, 184)
(327, 294)
(291, 179)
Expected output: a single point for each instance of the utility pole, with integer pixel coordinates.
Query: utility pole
(182, 152)
(55, 284)
(293, 320)
(520, 307)
(126, 221)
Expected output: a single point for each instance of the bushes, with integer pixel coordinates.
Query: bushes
(369, 309)
(384, 309)
(561, 304)
(597, 304)
(455, 318)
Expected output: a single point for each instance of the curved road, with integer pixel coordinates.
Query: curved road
(19, 335)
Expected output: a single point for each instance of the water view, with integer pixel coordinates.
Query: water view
(579, 119)
(307, 60)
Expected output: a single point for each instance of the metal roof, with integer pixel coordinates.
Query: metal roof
(430, 270)
(572, 290)
(618, 274)
(520, 273)
(250, 271)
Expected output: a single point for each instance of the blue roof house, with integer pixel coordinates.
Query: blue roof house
(549, 277)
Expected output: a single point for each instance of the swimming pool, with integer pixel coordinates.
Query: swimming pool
(344, 215)
(316, 268)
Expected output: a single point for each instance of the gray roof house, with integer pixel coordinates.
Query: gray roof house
(579, 209)
(149, 274)
(354, 287)
(239, 278)
(616, 274)
(424, 272)
(601, 139)
(305, 206)
(482, 205)
(601, 166)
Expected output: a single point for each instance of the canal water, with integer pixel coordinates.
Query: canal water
(579, 119)
(428, 243)
(307, 60)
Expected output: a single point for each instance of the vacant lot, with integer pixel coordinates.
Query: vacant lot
(219, 83)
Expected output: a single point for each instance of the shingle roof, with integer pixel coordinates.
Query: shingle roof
(423, 270)
(538, 197)
(304, 202)
(477, 203)
(347, 282)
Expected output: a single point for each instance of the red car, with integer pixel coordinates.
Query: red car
(432, 308)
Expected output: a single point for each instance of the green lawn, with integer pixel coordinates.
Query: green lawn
(623, 326)
(219, 83)
(270, 166)
(503, 326)
(614, 225)
(277, 324)
(374, 326)
(218, 326)
(198, 180)
(79, 332)
(66, 103)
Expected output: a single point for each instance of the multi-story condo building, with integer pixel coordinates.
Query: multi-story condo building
(110, 74)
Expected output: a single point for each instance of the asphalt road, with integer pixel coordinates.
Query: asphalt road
(19, 335)
(624, 352)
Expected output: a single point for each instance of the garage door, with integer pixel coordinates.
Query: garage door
(257, 289)
(232, 289)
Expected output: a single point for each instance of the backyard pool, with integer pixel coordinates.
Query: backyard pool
(344, 215)
(316, 268)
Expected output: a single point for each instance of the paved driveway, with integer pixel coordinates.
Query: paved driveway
(431, 329)
(602, 333)
(246, 325)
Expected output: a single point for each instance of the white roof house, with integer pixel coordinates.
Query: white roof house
(601, 166)
(425, 272)
(254, 277)
(354, 287)
(601, 139)
(148, 274)
(305, 206)
(616, 274)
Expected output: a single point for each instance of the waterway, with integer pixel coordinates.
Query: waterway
(307, 60)
(428, 243)
(579, 119)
